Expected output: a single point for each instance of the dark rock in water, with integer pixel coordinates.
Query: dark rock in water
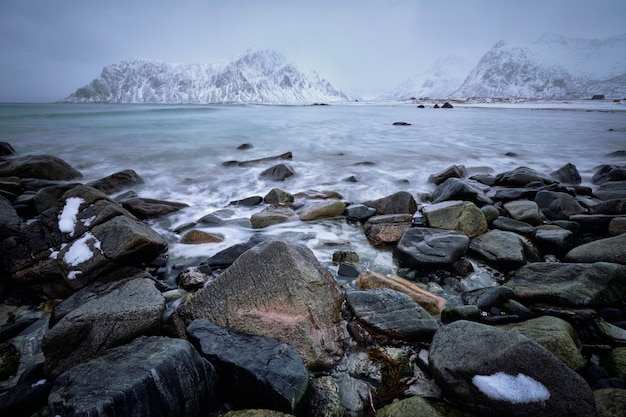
(486, 179)
(118, 314)
(611, 190)
(436, 106)
(38, 166)
(505, 250)
(359, 212)
(197, 237)
(608, 173)
(401, 124)
(387, 228)
(245, 146)
(497, 372)
(276, 289)
(401, 202)
(248, 201)
(226, 257)
(422, 247)
(567, 174)
(347, 270)
(117, 181)
(392, 313)
(29, 395)
(522, 177)
(286, 155)
(616, 154)
(6, 149)
(148, 208)
(557, 205)
(610, 249)
(446, 105)
(592, 285)
(278, 172)
(421, 106)
(152, 376)
(458, 189)
(254, 371)
(278, 196)
(511, 225)
(511, 154)
(453, 171)
(554, 241)
(270, 215)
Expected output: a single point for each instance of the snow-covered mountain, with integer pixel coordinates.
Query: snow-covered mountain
(438, 82)
(256, 76)
(553, 67)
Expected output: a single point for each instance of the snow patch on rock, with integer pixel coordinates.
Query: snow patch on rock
(517, 389)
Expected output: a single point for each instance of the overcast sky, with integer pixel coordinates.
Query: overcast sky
(50, 48)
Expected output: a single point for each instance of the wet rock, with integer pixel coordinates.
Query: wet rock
(196, 237)
(29, 395)
(392, 313)
(522, 177)
(253, 162)
(278, 172)
(152, 376)
(511, 225)
(592, 285)
(505, 250)
(617, 226)
(463, 312)
(611, 190)
(446, 105)
(555, 241)
(226, 257)
(245, 146)
(458, 189)
(387, 228)
(401, 202)
(463, 216)
(432, 303)
(6, 149)
(346, 257)
(359, 212)
(271, 215)
(38, 166)
(117, 182)
(610, 402)
(10, 222)
(278, 290)
(453, 171)
(322, 211)
(594, 224)
(251, 201)
(497, 372)
(324, 398)
(278, 196)
(615, 206)
(490, 212)
(401, 124)
(554, 334)
(254, 371)
(49, 197)
(557, 205)
(422, 247)
(194, 277)
(149, 208)
(610, 249)
(122, 312)
(486, 298)
(608, 173)
(567, 174)
(524, 211)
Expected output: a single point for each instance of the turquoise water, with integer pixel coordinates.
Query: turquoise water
(179, 151)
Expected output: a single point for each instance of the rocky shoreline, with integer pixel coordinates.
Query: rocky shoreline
(91, 325)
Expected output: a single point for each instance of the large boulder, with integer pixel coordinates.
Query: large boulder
(610, 249)
(608, 173)
(567, 174)
(152, 376)
(463, 216)
(117, 314)
(611, 190)
(558, 205)
(599, 284)
(423, 247)
(254, 371)
(38, 166)
(522, 177)
(497, 372)
(458, 189)
(392, 313)
(276, 289)
(401, 202)
(117, 181)
(505, 250)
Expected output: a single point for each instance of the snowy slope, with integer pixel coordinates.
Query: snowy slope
(553, 67)
(438, 82)
(256, 76)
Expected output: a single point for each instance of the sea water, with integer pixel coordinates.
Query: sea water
(355, 150)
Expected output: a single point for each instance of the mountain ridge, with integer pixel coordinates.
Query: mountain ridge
(257, 76)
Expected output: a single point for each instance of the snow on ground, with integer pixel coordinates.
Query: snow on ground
(517, 389)
(67, 218)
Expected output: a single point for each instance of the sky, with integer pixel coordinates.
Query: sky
(48, 49)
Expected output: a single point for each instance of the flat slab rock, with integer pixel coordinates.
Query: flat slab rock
(152, 376)
(254, 371)
(392, 313)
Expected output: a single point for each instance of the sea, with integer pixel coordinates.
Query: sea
(353, 149)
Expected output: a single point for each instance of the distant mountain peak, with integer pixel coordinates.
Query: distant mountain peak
(261, 76)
